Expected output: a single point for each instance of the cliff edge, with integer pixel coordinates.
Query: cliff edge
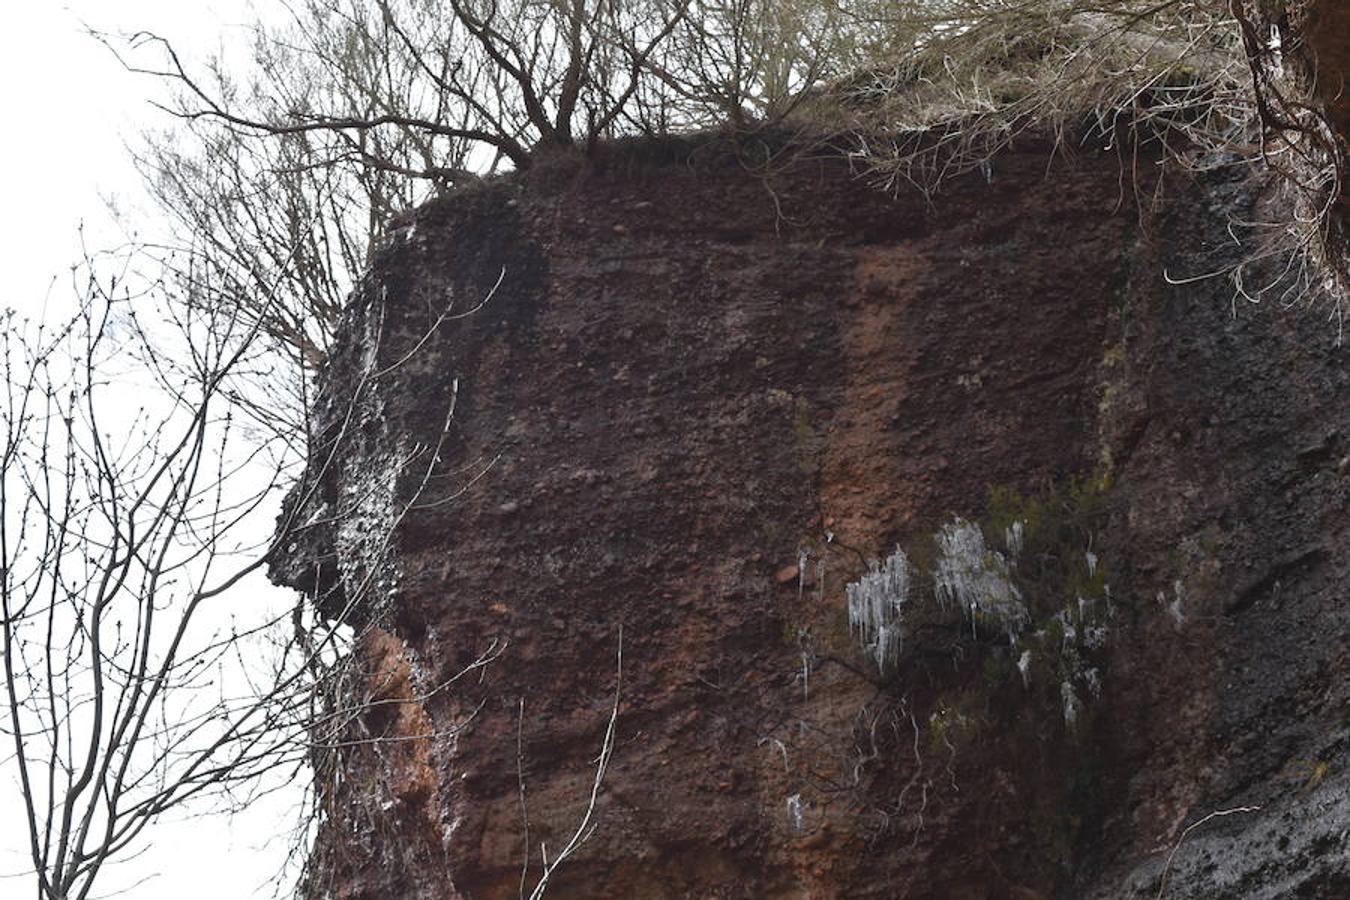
(682, 399)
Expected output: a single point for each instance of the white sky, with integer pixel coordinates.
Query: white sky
(69, 110)
(70, 106)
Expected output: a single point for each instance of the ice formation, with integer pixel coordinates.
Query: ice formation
(875, 603)
(796, 814)
(1175, 608)
(976, 578)
(1072, 705)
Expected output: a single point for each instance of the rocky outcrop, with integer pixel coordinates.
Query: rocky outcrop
(680, 396)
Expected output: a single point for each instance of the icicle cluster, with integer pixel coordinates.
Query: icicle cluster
(976, 578)
(1072, 705)
(875, 602)
(1013, 536)
(796, 814)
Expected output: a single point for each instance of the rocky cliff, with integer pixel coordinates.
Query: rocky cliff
(681, 401)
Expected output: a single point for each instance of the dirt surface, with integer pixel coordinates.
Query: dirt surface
(692, 400)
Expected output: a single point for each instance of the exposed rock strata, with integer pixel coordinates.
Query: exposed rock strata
(697, 400)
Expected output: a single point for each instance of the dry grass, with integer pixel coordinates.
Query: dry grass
(993, 70)
(953, 82)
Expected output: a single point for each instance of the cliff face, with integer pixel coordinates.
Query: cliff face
(691, 401)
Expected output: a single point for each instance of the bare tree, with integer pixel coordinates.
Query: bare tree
(747, 63)
(114, 526)
(353, 111)
(136, 460)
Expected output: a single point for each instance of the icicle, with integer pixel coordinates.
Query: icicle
(1072, 705)
(976, 578)
(1093, 679)
(1176, 607)
(802, 557)
(875, 603)
(796, 814)
(1012, 538)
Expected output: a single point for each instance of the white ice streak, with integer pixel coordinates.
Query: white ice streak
(1013, 536)
(875, 604)
(1072, 705)
(796, 814)
(976, 578)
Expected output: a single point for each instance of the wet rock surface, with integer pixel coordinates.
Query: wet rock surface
(671, 393)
